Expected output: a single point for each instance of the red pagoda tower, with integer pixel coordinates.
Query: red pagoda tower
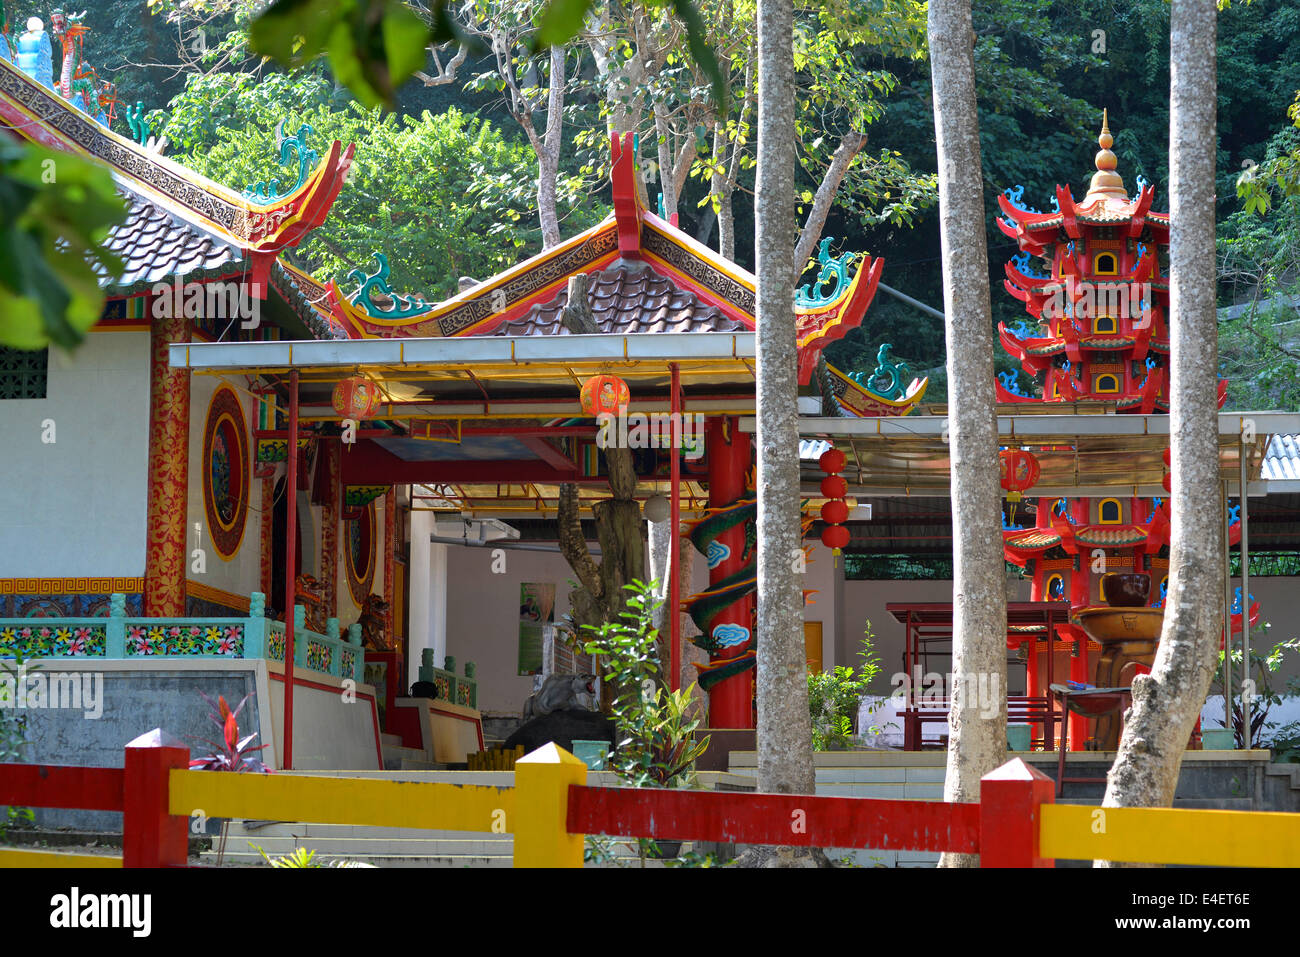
(1101, 337)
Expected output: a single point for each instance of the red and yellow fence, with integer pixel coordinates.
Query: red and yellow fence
(550, 809)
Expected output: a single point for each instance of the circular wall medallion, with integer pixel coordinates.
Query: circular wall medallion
(359, 547)
(225, 472)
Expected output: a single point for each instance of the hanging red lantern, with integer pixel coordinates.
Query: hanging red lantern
(835, 536)
(835, 512)
(356, 398)
(1019, 472)
(831, 461)
(834, 487)
(604, 395)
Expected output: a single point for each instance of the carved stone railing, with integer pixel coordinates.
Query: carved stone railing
(451, 687)
(121, 637)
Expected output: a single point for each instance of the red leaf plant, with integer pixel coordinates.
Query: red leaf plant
(233, 753)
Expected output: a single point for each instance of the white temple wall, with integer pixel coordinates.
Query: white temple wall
(76, 506)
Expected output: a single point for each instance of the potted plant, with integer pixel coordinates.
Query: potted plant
(656, 744)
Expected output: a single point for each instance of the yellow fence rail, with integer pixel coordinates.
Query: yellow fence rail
(533, 810)
(1170, 836)
(23, 857)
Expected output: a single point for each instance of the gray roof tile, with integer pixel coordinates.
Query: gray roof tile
(626, 299)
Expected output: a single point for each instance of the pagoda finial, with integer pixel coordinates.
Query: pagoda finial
(1106, 183)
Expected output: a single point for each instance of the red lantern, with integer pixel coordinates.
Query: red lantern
(835, 536)
(1019, 471)
(835, 512)
(356, 398)
(604, 395)
(834, 487)
(832, 461)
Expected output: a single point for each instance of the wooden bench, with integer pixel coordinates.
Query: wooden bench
(1021, 709)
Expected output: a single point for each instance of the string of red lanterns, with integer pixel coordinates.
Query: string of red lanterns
(836, 511)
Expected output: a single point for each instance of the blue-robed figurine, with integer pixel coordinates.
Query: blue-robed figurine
(35, 55)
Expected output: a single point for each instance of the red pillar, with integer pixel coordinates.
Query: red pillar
(151, 835)
(290, 563)
(169, 458)
(674, 540)
(1010, 798)
(731, 700)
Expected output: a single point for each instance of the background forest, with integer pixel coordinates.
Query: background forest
(446, 185)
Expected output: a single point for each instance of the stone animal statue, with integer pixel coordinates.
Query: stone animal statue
(563, 727)
(375, 632)
(310, 593)
(562, 693)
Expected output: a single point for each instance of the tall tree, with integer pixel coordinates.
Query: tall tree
(1167, 701)
(977, 743)
(784, 727)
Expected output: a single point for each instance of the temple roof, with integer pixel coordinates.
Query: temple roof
(627, 298)
(178, 219)
(1105, 204)
(648, 276)
(157, 246)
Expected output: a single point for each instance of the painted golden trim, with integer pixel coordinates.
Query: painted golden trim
(249, 453)
(1119, 520)
(71, 586)
(221, 597)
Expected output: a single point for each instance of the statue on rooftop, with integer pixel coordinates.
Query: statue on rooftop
(35, 55)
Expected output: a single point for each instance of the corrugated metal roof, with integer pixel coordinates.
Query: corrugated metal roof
(810, 450)
(1282, 461)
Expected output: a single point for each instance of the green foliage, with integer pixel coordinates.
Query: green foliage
(1259, 272)
(441, 196)
(656, 727)
(55, 212)
(834, 697)
(373, 46)
(300, 857)
(1265, 696)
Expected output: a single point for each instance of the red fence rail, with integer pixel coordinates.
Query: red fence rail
(792, 819)
(49, 785)
(151, 837)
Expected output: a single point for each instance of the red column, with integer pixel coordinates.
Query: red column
(731, 700)
(674, 539)
(290, 563)
(169, 459)
(329, 528)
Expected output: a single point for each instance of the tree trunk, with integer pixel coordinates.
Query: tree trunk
(1167, 702)
(977, 743)
(548, 156)
(784, 729)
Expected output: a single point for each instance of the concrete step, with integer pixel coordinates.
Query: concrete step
(390, 740)
(396, 758)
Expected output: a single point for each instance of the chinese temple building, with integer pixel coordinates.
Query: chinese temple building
(321, 493)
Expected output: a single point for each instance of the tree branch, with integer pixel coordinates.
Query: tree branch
(811, 233)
